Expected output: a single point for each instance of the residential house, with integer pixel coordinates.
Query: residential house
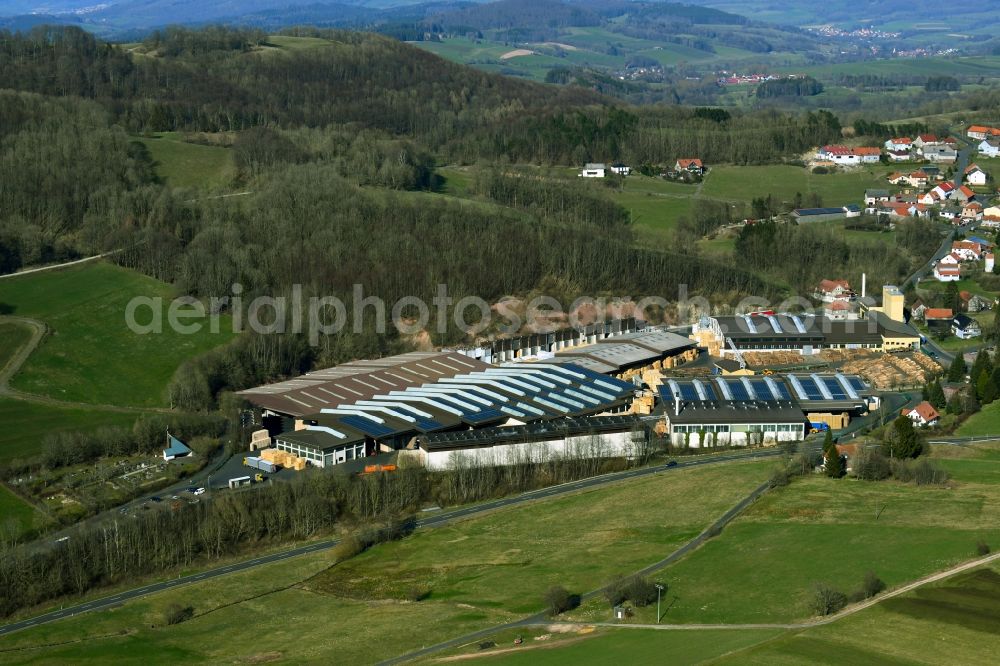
(989, 147)
(965, 327)
(981, 132)
(943, 191)
(974, 175)
(924, 140)
(991, 217)
(838, 310)
(952, 259)
(947, 273)
(917, 310)
(974, 302)
(830, 291)
(973, 211)
(966, 250)
(951, 212)
(621, 169)
(963, 194)
(692, 165)
(988, 264)
(593, 170)
(899, 155)
(940, 153)
(904, 143)
(874, 196)
(922, 415)
(891, 209)
(931, 171)
(897, 178)
(927, 198)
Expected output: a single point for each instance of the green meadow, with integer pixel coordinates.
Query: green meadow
(475, 574)
(89, 354)
(181, 163)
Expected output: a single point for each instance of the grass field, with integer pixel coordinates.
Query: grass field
(985, 422)
(480, 572)
(25, 424)
(184, 164)
(955, 621)
(12, 337)
(745, 183)
(820, 530)
(90, 355)
(15, 513)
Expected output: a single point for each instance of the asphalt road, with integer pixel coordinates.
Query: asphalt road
(436, 520)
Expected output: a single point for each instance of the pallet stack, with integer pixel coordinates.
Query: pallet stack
(284, 458)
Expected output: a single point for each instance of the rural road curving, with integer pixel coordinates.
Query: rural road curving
(8, 371)
(38, 331)
(438, 520)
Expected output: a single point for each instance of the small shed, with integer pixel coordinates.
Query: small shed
(621, 612)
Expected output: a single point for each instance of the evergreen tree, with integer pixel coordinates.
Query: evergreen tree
(970, 405)
(827, 441)
(983, 382)
(925, 392)
(952, 299)
(834, 463)
(936, 397)
(955, 405)
(993, 331)
(982, 362)
(902, 440)
(957, 370)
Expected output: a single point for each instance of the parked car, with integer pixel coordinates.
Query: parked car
(672, 463)
(155, 498)
(199, 491)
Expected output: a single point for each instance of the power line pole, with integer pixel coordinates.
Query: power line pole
(659, 590)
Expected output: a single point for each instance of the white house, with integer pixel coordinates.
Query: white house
(593, 170)
(943, 191)
(988, 262)
(922, 415)
(975, 175)
(946, 273)
(899, 155)
(966, 250)
(965, 327)
(989, 147)
(834, 290)
(904, 143)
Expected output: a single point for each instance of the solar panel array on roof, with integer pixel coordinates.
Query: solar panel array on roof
(738, 390)
(833, 386)
(806, 388)
(367, 426)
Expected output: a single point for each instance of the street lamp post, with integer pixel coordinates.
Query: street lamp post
(659, 590)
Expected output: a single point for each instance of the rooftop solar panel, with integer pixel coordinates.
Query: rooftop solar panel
(484, 416)
(688, 392)
(762, 389)
(779, 389)
(738, 390)
(809, 386)
(429, 424)
(367, 426)
(835, 389)
(856, 383)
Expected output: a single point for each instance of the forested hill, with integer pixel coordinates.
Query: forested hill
(335, 138)
(216, 80)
